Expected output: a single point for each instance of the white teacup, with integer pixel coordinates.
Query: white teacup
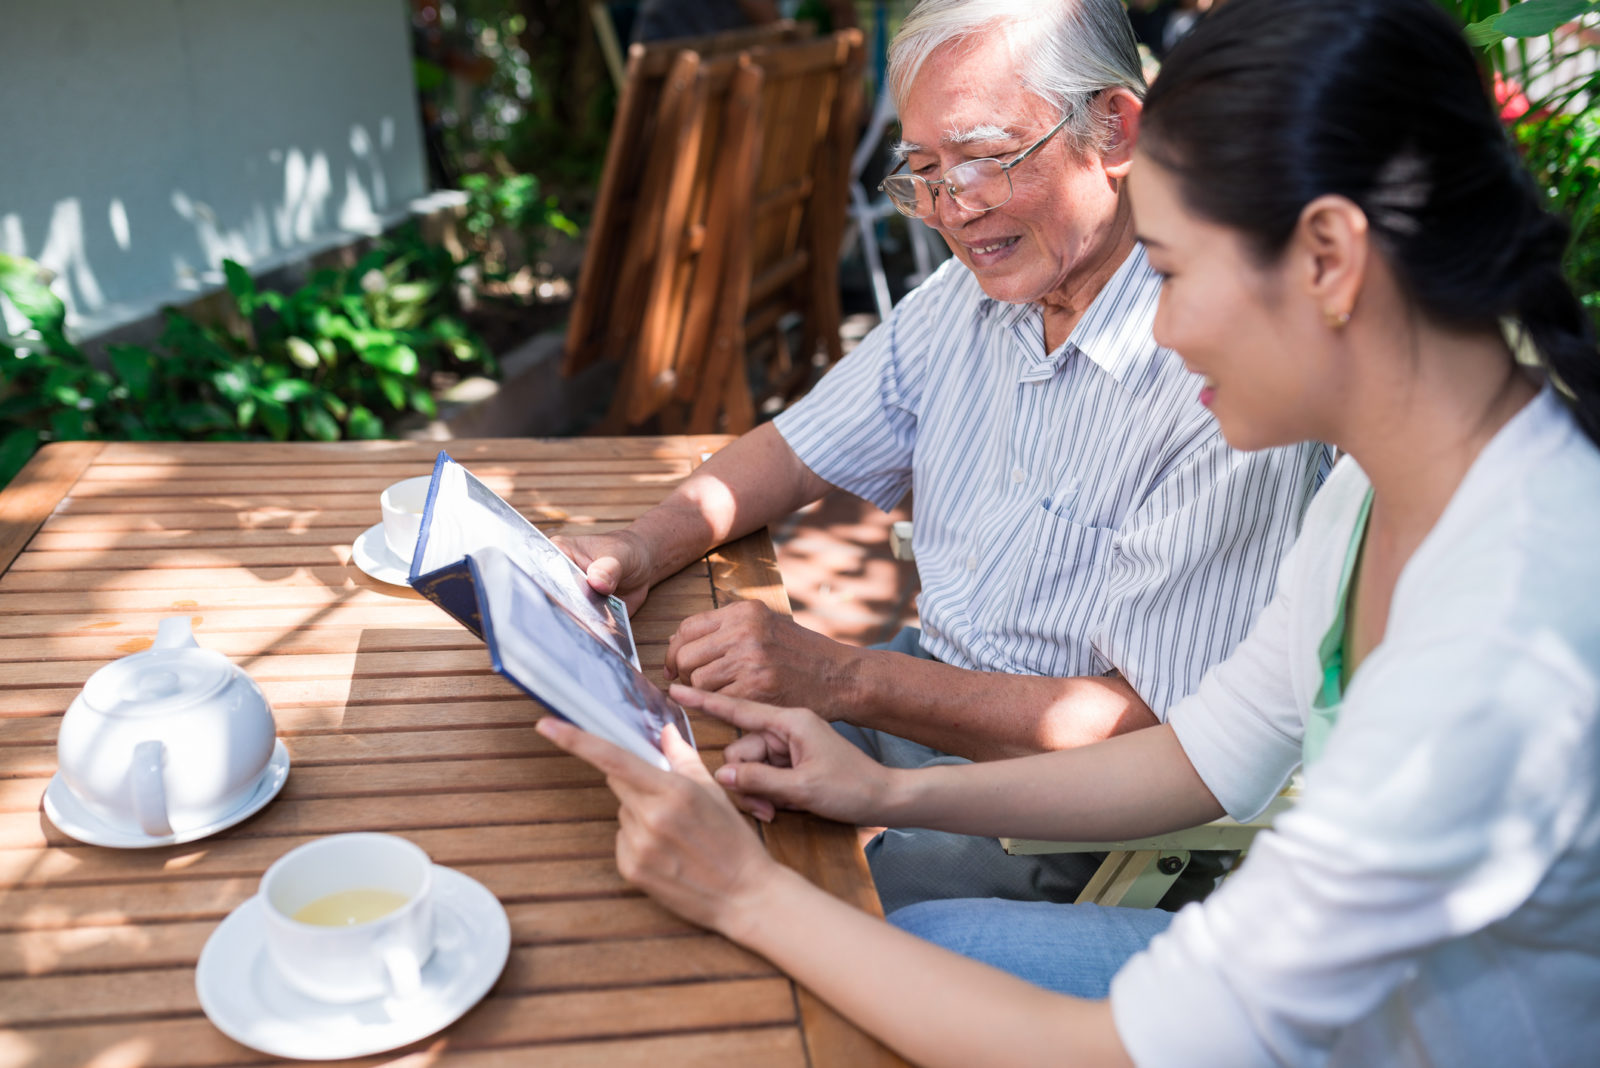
(402, 505)
(372, 953)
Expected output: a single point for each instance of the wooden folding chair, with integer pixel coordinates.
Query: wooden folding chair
(735, 224)
(624, 186)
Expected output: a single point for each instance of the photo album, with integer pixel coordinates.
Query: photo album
(546, 628)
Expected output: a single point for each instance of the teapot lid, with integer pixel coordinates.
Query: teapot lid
(157, 681)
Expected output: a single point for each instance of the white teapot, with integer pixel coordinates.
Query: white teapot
(168, 740)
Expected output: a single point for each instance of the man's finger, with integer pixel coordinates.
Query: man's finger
(748, 749)
(605, 574)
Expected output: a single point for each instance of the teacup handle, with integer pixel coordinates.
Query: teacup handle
(150, 788)
(405, 971)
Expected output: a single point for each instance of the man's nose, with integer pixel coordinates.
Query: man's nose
(947, 213)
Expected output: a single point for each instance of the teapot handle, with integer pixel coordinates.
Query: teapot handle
(149, 786)
(175, 632)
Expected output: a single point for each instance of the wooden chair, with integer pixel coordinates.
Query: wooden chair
(735, 227)
(1135, 873)
(624, 190)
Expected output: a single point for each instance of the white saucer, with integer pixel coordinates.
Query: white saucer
(243, 994)
(371, 554)
(74, 818)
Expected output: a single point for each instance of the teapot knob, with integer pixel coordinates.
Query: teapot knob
(175, 632)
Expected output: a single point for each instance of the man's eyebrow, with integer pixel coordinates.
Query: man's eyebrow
(972, 135)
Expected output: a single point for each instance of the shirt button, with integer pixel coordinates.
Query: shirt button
(972, 563)
(1018, 474)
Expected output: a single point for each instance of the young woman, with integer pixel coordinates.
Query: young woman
(1353, 254)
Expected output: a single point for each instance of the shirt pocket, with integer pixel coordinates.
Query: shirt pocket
(1058, 601)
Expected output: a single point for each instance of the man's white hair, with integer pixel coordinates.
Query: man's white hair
(1063, 51)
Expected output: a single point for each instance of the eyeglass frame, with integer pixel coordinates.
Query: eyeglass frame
(933, 190)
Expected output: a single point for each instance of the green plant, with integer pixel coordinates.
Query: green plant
(340, 357)
(1548, 101)
(511, 204)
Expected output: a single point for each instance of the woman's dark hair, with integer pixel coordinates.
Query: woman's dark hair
(1270, 104)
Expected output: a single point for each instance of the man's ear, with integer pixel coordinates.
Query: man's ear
(1332, 242)
(1122, 110)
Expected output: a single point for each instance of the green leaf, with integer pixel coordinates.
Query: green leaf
(1482, 34)
(303, 353)
(394, 390)
(335, 407)
(363, 424)
(422, 401)
(397, 359)
(1535, 18)
(233, 384)
(240, 284)
(67, 424)
(15, 449)
(290, 389)
(318, 424)
(198, 418)
(133, 365)
(275, 417)
(245, 413)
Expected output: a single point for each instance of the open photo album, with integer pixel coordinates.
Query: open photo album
(546, 629)
(462, 515)
(535, 641)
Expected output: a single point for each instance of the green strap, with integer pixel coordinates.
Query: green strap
(1330, 695)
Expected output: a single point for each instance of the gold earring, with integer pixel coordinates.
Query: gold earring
(1336, 319)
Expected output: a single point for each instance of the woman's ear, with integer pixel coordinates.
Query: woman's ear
(1122, 110)
(1332, 242)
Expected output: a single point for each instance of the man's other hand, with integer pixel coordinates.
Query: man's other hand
(617, 563)
(747, 650)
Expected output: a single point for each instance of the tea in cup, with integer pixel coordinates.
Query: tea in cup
(350, 917)
(402, 505)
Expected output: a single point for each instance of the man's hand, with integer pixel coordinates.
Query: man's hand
(791, 758)
(617, 563)
(747, 650)
(681, 840)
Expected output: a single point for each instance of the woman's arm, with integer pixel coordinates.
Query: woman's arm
(683, 843)
(1124, 787)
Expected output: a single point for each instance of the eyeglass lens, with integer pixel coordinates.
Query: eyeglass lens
(977, 185)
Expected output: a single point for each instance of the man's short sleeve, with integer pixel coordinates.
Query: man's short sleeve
(858, 427)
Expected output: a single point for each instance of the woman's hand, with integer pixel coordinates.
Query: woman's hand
(792, 758)
(681, 840)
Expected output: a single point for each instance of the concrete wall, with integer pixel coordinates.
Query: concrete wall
(144, 141)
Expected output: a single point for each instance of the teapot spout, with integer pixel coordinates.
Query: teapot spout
(175, 632)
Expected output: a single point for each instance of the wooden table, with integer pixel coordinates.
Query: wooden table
(394, 722)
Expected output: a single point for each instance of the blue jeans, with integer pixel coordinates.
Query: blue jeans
(1071, 949)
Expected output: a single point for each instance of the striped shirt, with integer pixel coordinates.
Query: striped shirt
(1077, 511)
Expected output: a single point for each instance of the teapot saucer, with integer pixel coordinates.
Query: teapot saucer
(245, 997)
(75, 820)
(372, 555)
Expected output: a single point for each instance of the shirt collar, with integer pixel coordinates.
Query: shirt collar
(1114, 333)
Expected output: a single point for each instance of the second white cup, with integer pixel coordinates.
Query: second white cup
(350, 917)
(402, 505)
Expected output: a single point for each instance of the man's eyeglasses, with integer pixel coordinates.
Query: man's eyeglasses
(976, 185)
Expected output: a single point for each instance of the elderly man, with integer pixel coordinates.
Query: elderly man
(1088, 544)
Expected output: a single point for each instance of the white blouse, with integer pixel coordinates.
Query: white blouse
(1434, 897)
